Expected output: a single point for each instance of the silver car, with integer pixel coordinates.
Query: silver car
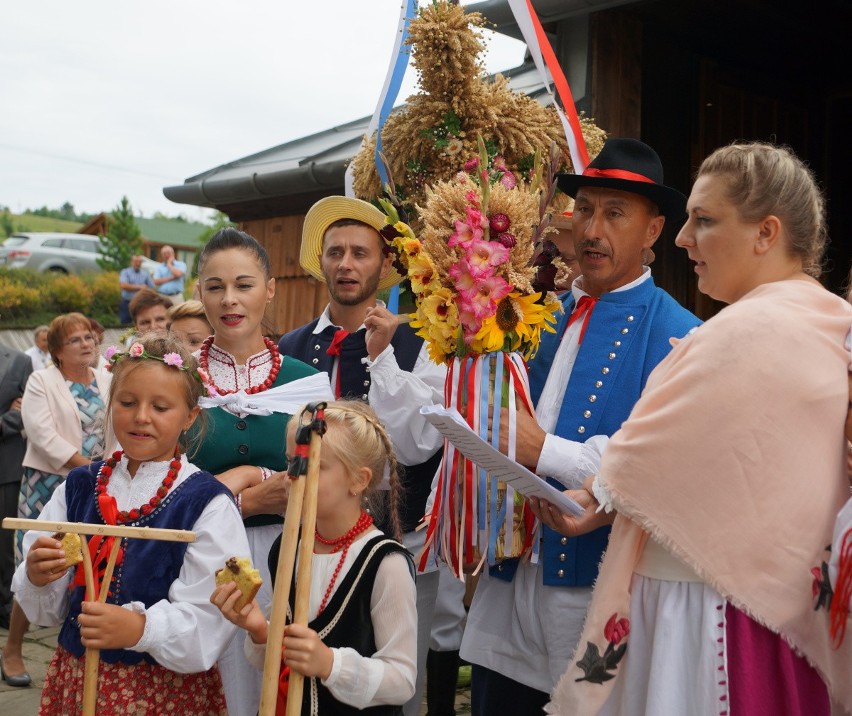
(63, 253)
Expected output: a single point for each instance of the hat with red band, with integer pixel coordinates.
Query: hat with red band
(628, 165)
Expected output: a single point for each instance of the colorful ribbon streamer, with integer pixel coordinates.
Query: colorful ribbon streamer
(545, 60)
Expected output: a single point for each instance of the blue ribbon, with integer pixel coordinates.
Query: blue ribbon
(495, 516)
(400, 65)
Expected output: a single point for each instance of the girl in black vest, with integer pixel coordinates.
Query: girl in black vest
(358, 653)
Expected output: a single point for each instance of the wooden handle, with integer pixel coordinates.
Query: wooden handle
(84, 528)
(110, 567)
(303, 577)
(281, 597)
(90, 673)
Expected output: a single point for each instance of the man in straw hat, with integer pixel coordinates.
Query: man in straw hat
(368, 355)
(526, 618)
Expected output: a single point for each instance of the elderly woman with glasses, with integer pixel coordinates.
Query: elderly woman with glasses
(62, 410)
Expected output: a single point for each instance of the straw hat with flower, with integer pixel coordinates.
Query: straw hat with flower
(326, 212)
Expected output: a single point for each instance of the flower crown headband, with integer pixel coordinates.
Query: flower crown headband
(174, 360)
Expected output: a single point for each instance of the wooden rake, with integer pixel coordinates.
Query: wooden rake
(90, 677)
(301, 512)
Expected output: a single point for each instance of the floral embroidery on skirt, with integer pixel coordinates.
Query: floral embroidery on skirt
(141, 690)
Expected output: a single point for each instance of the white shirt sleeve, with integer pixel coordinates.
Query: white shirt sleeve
(571, 462)
(397, 396)
(386, 677)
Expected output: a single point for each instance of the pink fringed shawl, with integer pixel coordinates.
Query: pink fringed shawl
(734, 458)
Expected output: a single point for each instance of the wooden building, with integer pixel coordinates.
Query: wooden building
(685, 76)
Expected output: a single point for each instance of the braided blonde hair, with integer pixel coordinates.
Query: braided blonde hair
(358, 439)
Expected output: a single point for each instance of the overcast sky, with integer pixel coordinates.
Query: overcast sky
(102, 98)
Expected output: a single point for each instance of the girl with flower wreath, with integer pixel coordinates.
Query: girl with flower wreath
(158, 634)
(358, 652)
(252, 390)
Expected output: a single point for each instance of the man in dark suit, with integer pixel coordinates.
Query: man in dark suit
(15, 368)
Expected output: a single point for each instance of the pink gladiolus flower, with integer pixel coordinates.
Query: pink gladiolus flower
(462, 277)
(482, 256)
(110, 352)
(472, 197)
(136, 350)
(173, 359)
(465, 232)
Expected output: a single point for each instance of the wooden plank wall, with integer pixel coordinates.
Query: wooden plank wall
(299, 298)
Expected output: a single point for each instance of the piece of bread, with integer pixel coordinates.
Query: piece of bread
(73, 547)
(247, 578)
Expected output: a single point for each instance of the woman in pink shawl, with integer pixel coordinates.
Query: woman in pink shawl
(713, 596)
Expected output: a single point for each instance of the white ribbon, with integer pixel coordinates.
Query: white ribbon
(287, 398)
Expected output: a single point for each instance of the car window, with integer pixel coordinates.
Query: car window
(83, 245)
(52, 243)
(16, 241)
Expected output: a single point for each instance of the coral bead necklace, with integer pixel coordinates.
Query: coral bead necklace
(342, 544)
(251, 390)
(129, 515)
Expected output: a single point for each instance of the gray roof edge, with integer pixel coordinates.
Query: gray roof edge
(212, 192)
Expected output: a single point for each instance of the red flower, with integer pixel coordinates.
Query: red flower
(616, 629)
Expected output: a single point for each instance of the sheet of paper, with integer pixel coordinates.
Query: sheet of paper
(453, 426)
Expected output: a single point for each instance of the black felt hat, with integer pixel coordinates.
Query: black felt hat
(628, 165)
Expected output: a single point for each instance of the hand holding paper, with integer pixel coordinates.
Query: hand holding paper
(453, 427)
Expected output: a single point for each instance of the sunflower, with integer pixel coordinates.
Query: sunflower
(517, 324)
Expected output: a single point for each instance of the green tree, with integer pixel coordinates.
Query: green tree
(7, 226)
(123, 239)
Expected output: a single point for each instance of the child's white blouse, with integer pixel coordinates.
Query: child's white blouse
(388, 676)
(184, 633)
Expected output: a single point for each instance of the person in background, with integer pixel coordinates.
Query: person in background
(169, 276)
(38, 352)
(726, 479)
(149, 312)
(188, 323)
(15, 369)
(370, 356)
(564, 240)
(63, 415)
(131, 280)
(98, 332)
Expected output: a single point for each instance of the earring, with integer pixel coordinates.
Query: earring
(354, 493)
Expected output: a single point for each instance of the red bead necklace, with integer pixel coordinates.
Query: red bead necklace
(129, 515)
(273, 373)
(342, 543)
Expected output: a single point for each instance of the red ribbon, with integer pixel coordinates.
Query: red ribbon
(585, 305)
(334, 350)
(617, 174)
(100, 547)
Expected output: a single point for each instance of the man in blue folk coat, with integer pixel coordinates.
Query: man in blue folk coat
(526, 618)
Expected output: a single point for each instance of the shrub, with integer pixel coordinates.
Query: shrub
(17, 300)
(106, 294)
(69, 293)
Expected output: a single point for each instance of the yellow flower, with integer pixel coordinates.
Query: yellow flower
(516, 324)
(405, 230)
(409, 245)
(437, 319)
(422, 274)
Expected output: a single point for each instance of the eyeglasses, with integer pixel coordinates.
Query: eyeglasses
(79, 340)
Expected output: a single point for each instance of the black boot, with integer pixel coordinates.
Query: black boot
(442, 671)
